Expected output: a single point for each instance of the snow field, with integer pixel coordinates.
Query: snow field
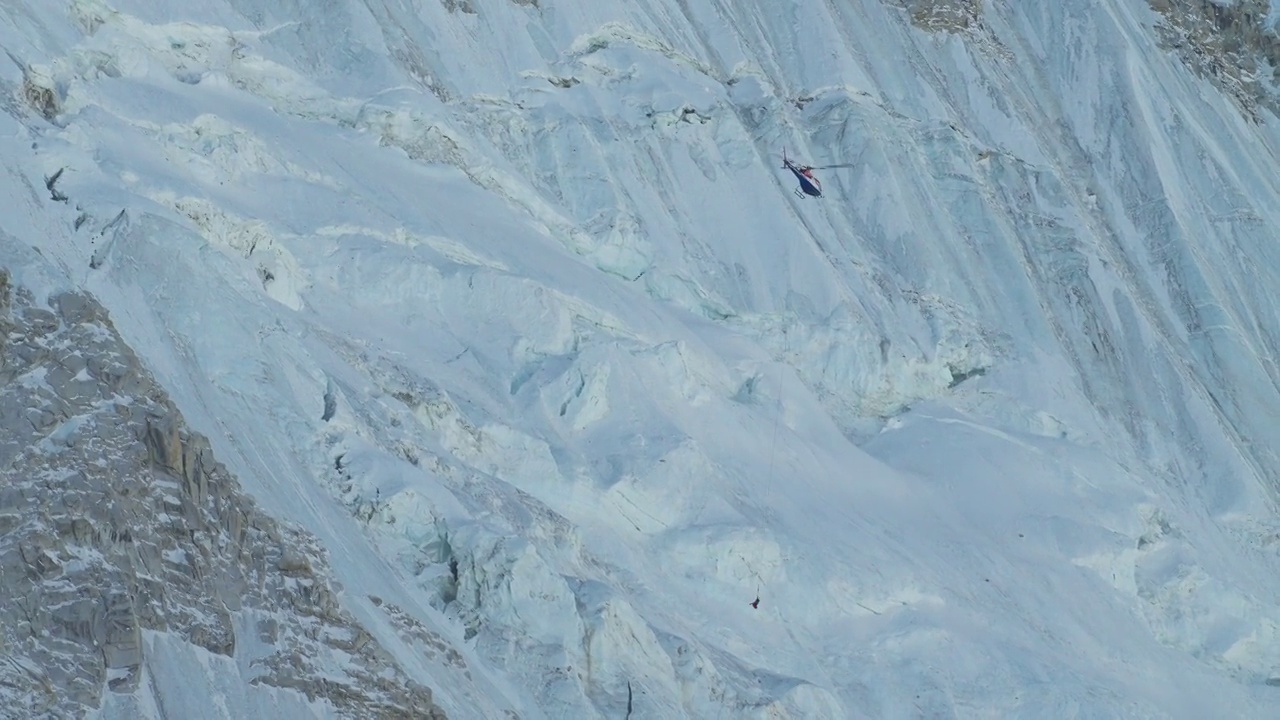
(520, 291)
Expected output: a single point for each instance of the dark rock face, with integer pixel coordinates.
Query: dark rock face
(116, 520)
(1231, 45)
(943, 15)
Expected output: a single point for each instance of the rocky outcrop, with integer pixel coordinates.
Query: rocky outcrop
(116, 520)
(943, 15)
(1232, 44)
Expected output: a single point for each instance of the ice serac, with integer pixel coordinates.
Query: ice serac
(127, 551)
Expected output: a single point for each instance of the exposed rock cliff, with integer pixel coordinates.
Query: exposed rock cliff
(1232, 43)
(943, 15)
(116, 523)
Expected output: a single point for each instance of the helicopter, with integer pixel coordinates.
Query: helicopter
(809, 183)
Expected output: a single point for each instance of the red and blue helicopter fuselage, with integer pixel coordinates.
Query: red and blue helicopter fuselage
(809, 185)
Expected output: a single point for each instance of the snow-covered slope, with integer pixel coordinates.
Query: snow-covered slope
(508, 303)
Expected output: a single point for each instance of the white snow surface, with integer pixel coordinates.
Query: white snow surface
(519, 285)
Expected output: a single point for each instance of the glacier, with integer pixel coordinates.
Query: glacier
(507, 305)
